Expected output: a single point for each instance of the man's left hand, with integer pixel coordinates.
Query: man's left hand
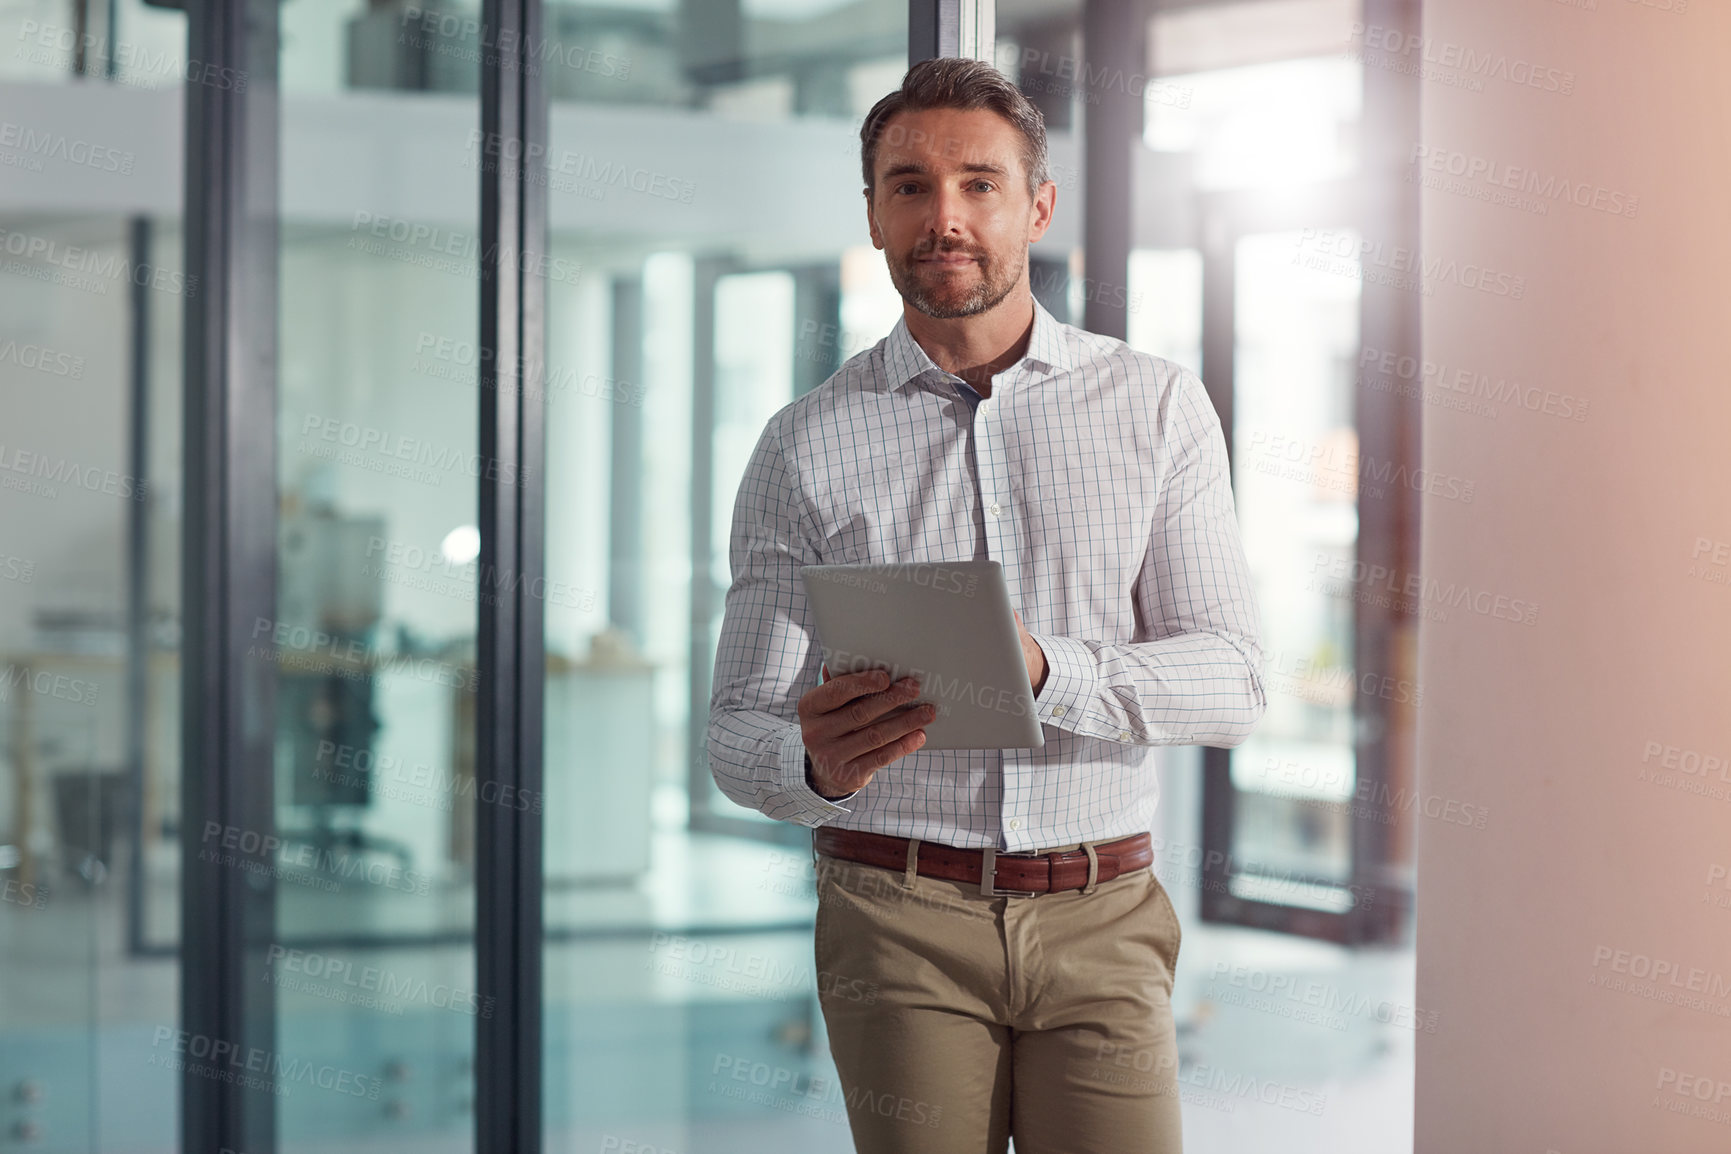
(1033, 655)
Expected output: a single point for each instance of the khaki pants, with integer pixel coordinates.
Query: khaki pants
(957, 1020)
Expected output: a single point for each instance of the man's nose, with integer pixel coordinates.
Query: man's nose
(947, 213)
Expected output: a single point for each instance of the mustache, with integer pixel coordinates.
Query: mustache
(949, 250)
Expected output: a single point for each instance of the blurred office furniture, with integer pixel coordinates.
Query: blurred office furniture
(330, 598)
(90, 809)
(61, 709)
(592, 53)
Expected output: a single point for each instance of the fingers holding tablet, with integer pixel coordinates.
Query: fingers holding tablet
(855, 724)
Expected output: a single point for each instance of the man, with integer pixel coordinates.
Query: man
(1009, 993)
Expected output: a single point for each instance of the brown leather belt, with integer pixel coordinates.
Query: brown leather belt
(995, 873)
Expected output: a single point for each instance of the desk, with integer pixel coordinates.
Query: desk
(67, 711)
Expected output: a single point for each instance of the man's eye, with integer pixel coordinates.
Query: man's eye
(987, 183)
(900, 187)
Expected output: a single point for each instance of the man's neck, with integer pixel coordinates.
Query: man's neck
(979, 347)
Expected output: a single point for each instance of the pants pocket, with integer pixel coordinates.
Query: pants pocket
(1170, 932)
(820, 927)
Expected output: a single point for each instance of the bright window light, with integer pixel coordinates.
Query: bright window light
(1262, 125)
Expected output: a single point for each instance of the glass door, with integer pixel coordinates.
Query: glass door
(1297, 488)
(93, 295)
(378, 581)
(1305, 826)
(721, 278)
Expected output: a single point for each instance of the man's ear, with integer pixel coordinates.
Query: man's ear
(872, 221)
(1045, 205)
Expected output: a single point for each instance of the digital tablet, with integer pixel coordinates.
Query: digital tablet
(949, 623)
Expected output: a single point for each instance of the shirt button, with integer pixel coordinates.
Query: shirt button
(1057, 711)
(1015, 823)
(1124, 735)
(997, 509)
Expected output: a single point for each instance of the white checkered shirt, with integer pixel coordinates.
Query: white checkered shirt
(1097, 476)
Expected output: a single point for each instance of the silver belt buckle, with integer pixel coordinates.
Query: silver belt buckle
(989, 877)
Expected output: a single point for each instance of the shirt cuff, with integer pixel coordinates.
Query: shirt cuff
(801, 803)
(1072, 679)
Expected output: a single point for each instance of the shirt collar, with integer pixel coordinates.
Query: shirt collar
(905, 360)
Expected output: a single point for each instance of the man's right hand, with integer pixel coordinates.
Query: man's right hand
(849, 732)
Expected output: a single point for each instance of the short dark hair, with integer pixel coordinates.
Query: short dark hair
(955, 82)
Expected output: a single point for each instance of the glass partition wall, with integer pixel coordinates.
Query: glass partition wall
(712, 293)
(93, 297)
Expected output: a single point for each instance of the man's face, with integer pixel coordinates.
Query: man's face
(951, 209)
